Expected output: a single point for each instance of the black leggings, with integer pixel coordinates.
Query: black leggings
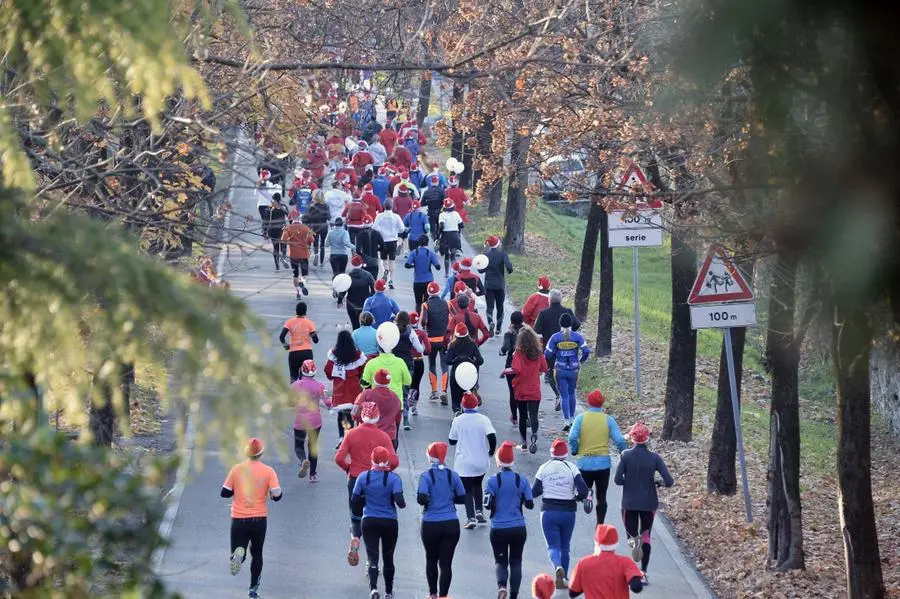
(353, 315)
(513, 404)
(417, 372)
(279, 248)
(600, 480)
(385, 531)
(508, 545)
(306, 446)
(474, 497)
(437, 349)
(439, 539)
(640, 523)
(319, 244)
(252, 532)
(295, 361)
(495, 297)
(528, 411)
(264, 218)
(338, 264)
(420, 294)
(355, 512)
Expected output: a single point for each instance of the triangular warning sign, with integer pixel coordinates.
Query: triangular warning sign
(719, 280)
(634, 181)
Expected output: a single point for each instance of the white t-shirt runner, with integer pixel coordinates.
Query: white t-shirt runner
(450, 219)
(558, 479)
(389, 225)
(470, 431)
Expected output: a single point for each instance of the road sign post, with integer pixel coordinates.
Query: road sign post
(722, 299)
(638, 226)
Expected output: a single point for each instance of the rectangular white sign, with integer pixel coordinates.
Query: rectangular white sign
(629, 238)
(723, 316)
(641, 219)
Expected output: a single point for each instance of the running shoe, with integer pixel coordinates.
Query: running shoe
(470, 524)
(304, 468)
(443, 399)
(501, 593)
(561, 582)
(434, 396)
(479, 517)
(566, 426)
(353, 554)
(644, 580)
(277, 268)
(391, 284)
(254, 593)
(498, 331)
(490, 324)
(304, 289)
(316, 260)
(297, 289)
(313, 478)
(523, 446)
(374, 594)
(284, 262)
(514, 420)
(532, 448)
(406, 426)
(237, 558)
(637, 548)
(558, 406)
(388, 596)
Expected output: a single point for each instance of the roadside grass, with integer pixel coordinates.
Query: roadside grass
(553, 247)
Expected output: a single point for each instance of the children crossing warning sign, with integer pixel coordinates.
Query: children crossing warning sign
(719, 281)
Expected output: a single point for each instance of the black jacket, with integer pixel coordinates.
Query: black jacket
(368, 243)
(433, 198)
(497, 269)
(435, 317)
(464, 350)
(316, 218)
(362, 285)
(509, 345)
(547, 321)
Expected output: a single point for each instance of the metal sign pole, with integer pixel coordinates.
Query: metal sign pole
(637, 328)
(736, 411)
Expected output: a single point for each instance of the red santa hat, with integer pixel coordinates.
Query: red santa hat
(469, 399)
(265, 174)
(404, 174)
(382, 377)
(381, 458)
(433, 288)
(308, 368)
(370, 414)
(357, 261)
(492, 241)
(255, 448)
(543, 586)
(559, 449)
(382, 172)
(460, 287)
(380, 285)
(595, 399)
(639, 432)
(437, 452)
(606, 538)
(367, 221)
(453, 181)
(362, 144)
(367, 187)
(461, 330)
(455, 266)
(416, 205)
(506, 454)
(345, 161)
(448, 203)
(403, 190)
(414, 318)
(466, 263)
(435, 179)
(414, 166)
(543, 283)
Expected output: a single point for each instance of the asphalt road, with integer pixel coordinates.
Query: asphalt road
(305, 551)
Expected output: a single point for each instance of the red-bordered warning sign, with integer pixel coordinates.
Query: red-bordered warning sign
(719, 280)
(634, 181)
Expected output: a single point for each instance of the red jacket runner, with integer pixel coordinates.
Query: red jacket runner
(358, 444)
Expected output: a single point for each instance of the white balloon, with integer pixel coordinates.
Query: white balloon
(480, 261)
(449, 164)
(466, 375)
(387, 336)
(341, 283)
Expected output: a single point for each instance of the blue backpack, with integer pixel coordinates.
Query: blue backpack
(302, 198)
(412, 144)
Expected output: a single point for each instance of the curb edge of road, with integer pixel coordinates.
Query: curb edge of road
(666, 533)
(174, 495)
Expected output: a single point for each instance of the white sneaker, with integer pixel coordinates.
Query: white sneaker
(237, 559)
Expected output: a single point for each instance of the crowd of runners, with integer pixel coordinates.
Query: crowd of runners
(382, 210)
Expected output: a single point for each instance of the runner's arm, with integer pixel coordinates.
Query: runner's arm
(397, 493)
(284, 334)
(581, 488)
(492, 443)
(314, 336)
(226, 492)
(664, 472)
(507, 263)
(614, 433)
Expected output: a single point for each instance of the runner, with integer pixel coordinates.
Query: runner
(422, 260)
(589, 439)
(390, 226)
(389, 406)
(365, 337)
(275, 225)
(528, 364)
(537, 301)
(412, 397)
(507, 349)
(343, 367)
(378, 493)
(605, 575)
(416, 177)
(635, 474)
(458, 196)
(406, 348)
(371, 201)
(472, 320)
(475, 440)
(357, 447)
(461, 349)
(303, 195)
(449, 226)
(264, 191)
(506, 493)
(317, 218)
(433, 199)
(402, 201)
(370, 245)
(302, 330)
(451, 281)
(381, 185)
(460, 290)
(250, 484)
(440, 489)
(567, 350)
(416, 223)
(340, 248)
(546, 324)
(562, 486)
(381, 306)
(400, 375)
(435, 318)
(308, 419)
(470, 278)
(362, 286)
(495, 281)
(299, 237)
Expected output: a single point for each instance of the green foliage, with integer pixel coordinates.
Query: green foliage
(70, 513)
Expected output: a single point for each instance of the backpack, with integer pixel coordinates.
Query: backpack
(301, 199)
(412, 145)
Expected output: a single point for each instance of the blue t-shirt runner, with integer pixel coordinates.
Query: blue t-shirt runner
(443, 489)
(382, 492)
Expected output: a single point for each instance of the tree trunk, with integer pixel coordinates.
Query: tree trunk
(785, 525)
(495, 197)
(681, 373)
(514, 225)
(483, 139)
(468, 157)
(851, 339)
(102, 417)
(424, 98)
(459, 139)
(605, 313)
(721, 477)
(588, 256)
